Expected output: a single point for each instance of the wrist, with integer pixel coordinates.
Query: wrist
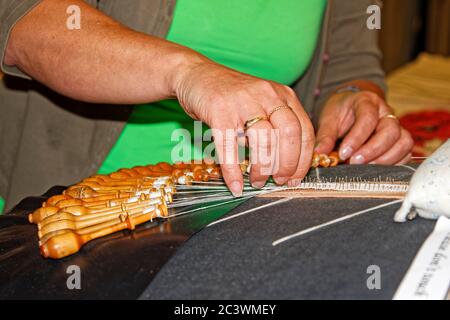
(359, 86)
(184, 63)
(348, 88)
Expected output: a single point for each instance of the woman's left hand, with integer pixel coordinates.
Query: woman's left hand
(369, 134)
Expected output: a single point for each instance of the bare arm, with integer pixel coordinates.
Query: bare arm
(103, 61)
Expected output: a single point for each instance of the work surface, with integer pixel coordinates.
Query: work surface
(234, 258)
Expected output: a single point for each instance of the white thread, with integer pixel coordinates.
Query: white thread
(317, 174)
(408, 167)
(303, 232)
(248, 211)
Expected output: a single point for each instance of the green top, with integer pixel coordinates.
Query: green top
(265, 38)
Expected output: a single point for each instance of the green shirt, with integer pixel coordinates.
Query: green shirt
(265, 38)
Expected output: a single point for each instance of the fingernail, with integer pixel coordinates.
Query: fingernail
(258, 184)
(345, 153)
(358, 159)
(294, 183)
(281, 180)
(236, 188)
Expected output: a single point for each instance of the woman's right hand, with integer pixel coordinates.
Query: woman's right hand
(106, 62)
(225, 99)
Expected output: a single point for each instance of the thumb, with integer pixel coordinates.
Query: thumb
(327, 134)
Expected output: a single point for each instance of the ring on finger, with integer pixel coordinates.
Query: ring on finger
(390, 116)
(254, 121)
(277, 109)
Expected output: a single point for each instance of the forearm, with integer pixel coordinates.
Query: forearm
(102, 62)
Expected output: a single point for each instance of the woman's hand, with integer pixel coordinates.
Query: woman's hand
(131, 67)
(225, 99)
(369, 134)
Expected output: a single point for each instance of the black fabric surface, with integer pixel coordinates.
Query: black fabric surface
(235, 259)
(118, 266)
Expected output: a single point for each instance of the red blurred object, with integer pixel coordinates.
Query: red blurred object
(429, 129)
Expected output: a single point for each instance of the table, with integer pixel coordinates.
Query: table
(188, 258)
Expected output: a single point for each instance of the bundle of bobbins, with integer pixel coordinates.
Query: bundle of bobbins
(323, 160)
(103, 204)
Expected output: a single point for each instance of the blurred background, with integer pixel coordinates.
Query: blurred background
(415, 40)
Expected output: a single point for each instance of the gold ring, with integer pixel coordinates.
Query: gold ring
(389, 116)
(252, 121)
(278, 108)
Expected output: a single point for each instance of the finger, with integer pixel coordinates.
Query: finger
(288, 134)
(405, 160)
(261, 143)
(227, 152)
(327, 134)
(263, 146)
(366, 120)
(307, 141)
(399, 152)
(386, 135)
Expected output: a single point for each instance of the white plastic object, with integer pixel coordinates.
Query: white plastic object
(429, 189)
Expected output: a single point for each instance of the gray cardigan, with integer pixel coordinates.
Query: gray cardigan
(47, 139)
